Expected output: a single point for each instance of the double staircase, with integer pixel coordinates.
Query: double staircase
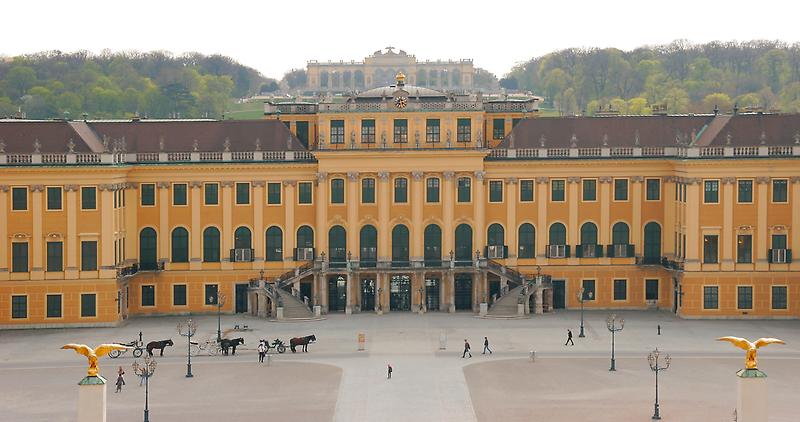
(284, 296)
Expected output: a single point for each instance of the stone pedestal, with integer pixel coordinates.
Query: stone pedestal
(92, 399)
(451, 308)
(751, 402)
(317, 311)
(520, 309)
(348, 310)
(538, 302)
(484, 309)
(279, 312)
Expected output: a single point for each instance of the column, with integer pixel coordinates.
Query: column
(227, 222)
(71, 244)
(348, 308)
(451, 281)
(670, 225)
(196, 235)
(511, 220)
(352, 202)
(541, 222)
(795, 239)
(636, 221)
(163, 222)
(692, 262)
(259, 232)
(321, 208)
(448, 211)
(572, 227)
(417, 201)
(4, 270)
(727, 238)
(384, 204)
(107, 257)
(288, 220)
(605, 215)
(762, 232)
(37, 267)
(480, 211)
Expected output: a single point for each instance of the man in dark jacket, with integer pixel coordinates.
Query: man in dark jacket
(466, 350)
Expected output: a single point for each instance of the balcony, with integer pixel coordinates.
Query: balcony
(620, 251)
(150, 266)
(558, 251)
(780, 256)
(497, 251)
(589, 251)
(242, 255)
(303, 254)
(648, 260)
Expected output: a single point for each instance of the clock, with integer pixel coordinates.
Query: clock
(401, 102)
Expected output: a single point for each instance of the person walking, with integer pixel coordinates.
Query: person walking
(262, 351)
(569, 338)
(389, 371)
(466, 350)
(120, 379)
(486, 346)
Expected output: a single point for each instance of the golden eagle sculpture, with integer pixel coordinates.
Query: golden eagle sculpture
(93, 354)
(750, 361)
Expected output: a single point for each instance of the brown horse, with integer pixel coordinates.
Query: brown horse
(158, 345)
(301, 341)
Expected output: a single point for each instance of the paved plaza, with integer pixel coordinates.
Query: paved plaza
(334, 381)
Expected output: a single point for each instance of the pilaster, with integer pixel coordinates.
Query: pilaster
(417, 201)
(605, 215)
(692, 262)
(636, 198)
(542, 190)
(384, 202)
(195, 238)
(352, 213)
(480, 210)
(511, 219)
(321, 208)
(4, 270)
(37, 238)
(448, 211)
(795, 239)
(572, 228)
(71, 244)
(164, 233)
(259, 232)
(289, 237)
(762, 233)
(227, 223)
(131, 217)
(727, 236)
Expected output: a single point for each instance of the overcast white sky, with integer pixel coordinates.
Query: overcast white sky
(276, 36)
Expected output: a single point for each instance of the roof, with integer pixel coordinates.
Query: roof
(19, 136)
(412, 90)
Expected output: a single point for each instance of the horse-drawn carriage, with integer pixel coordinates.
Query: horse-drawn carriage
(136, 345)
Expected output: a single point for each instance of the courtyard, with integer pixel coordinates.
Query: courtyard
(335, 381)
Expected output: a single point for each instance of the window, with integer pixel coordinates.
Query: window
(710, 243)
(588, 290)
(55, 256)
(711, 192)
(778, 241)
(710, 297)
(589, 190)
(304, 193)
(620, 234)
(275, 244)
(620, 189)
(432, 190)
(744, 249)
(498, 128)
(368, 131)
(211, 244)
(178, 295)
(273, 193)
(779, 254)
(212, 292)
(744, 297)
(432, 134)
(88, 305)
(179, 196)
(653, 189)
(337, 191)
(89, 255)
(464, 189)
(557, 191)
(463, 130)
(337, 131)
(620, 289)
(651, 289)
(148, 194)
(148, 295)
(53, 198)
(19, 257)
(526, 190)
(180, 245)
(88, 198)
(53, 304)
(527, 241)
(368, 191)
(400, 131)
(779, 297)
(780, 191)
(19, 199)
(211, 193)
(495, 191)
(242, 193)
(745, 191)
(401, 190)
(19, 306)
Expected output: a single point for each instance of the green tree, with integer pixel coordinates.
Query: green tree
(638, 106)
(718, 100)
(19, 80)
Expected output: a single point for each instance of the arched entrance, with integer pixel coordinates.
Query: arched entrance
(463, 292)
(400, 293)
(368, 242)
(337, 246)
(337, 293)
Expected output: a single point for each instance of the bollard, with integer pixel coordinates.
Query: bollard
(532, 355)
(443, 341)
(362, 340)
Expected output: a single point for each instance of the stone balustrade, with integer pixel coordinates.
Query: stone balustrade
(117, 158)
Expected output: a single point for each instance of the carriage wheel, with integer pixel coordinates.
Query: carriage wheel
(194, 350)
(115, 354)
(137, 352)
(213, 349)
(281, 348)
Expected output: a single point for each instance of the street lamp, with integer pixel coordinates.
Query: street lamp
(652, 358)
(614, 324)
(581, 299)
(220, 303)
(187, 330)
(145, 371)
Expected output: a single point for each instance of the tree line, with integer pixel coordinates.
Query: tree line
(679, 77)
(155, 84)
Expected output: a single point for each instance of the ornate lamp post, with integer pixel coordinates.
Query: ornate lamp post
(187, 330)
(220, 303)
(145, 371)
(581, 299)
(614, 324)
(655, 365)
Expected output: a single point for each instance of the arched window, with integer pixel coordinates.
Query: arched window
(274, 244)
(652, 241)
(337, 244)
(527, 241)
(588, 234)
(368, 241)
(558, 234)
(400, 245)
(620, 234)
(433, 244)
(496, 235)
(211, 244)
(242, 238)
(463, 250)
(180, 245)
(148, 241)
(305, 237)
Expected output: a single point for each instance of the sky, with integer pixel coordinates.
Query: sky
(274, 37)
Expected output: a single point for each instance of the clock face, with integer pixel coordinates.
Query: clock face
(401, 102)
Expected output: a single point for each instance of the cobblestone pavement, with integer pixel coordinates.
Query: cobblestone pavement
(334, 381)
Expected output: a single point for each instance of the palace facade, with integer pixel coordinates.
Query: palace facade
(401, 198)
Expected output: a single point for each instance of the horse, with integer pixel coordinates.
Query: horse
(230, 343)
(158, 345)
(301, 341)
